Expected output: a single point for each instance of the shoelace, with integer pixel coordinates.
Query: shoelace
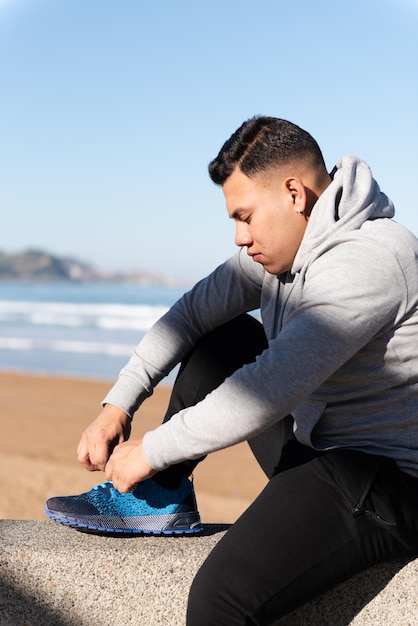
(106, 486)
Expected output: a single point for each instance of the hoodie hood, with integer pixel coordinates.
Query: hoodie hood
(352, 198)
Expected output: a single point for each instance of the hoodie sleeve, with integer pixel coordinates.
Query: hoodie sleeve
(233, 288)
(350, 295)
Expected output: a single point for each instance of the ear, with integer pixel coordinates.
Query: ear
(297, 192)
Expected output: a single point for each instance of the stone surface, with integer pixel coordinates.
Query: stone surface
(54, 576)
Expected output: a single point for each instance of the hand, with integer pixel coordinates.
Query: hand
(110, 428)
(127, 466)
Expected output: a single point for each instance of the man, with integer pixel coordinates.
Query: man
(326, 391)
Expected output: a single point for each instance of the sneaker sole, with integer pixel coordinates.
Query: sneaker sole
(174, 524)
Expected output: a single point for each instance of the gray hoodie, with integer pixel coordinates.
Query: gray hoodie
(342, 327)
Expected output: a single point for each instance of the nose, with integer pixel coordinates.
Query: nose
(242, 235)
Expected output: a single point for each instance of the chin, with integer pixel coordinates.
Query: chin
(271, 270)
(275, 271)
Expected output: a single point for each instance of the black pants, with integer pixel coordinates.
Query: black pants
(321, 518)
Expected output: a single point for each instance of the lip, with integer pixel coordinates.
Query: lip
(256, 257)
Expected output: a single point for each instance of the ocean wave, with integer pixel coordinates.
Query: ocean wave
(62, 345)
(72, 329)
(106, 316)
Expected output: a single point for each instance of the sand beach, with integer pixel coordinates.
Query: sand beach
(41, 420)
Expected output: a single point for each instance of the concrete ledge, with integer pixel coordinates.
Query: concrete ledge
(54, 576)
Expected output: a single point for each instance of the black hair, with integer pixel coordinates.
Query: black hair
(261, 143)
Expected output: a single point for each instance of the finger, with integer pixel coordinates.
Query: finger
(88, 465)
(99, 454)
(83, 456)
(108, 470)
(122, 486)
(120, 482)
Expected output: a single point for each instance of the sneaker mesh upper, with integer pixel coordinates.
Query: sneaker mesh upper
(148, 498)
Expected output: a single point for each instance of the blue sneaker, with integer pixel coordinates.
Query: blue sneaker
(149, 509)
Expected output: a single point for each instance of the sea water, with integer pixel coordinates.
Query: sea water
(76, 329)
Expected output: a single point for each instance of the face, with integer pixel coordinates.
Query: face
(268, 214)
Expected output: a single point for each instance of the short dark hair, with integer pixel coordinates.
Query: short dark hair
(261, 143)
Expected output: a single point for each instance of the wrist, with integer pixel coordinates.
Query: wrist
(115, 413)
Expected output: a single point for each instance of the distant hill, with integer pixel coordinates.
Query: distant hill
(38, 265)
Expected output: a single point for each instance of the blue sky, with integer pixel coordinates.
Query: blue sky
(110, 111)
